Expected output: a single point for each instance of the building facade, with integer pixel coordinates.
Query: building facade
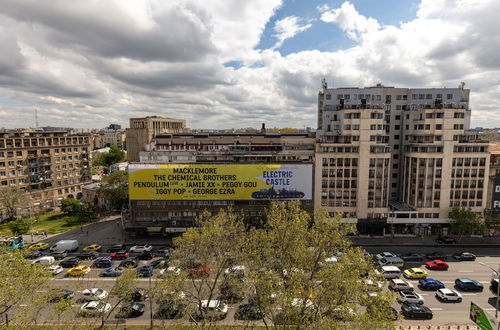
(142, 131)
(50, 166)
(168, 216)
(415, 157)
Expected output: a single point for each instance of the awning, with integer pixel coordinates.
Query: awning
(175, 230)
(153, 229)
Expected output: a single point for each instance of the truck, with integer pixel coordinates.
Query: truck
(68, 245)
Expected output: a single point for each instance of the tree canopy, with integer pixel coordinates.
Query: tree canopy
(115, 155)
(465, 222)
(115, 189)
(12, 198)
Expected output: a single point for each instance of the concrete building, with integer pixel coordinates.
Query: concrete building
(414, 157)
(168, 216)
(50, 166)
(493, 193)
(142, 131)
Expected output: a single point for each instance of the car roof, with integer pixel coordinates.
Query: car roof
(429, 280)
(445, 290)
(469, 280)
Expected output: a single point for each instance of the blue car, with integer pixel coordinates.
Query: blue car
(145, 271)
(430, 284)
(112, 272)
(103, 262)
(467, 284)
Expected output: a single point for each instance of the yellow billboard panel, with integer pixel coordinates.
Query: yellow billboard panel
(220, 182)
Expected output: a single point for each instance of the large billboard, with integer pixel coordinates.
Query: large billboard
(483, 319)
(495, 196)
(220, 182)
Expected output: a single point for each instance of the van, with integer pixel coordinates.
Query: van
(390, 272)
(47, 260)
(391, 261)
(69, 245)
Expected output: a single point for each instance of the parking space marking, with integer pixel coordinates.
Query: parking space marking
(469, 294)
(466, 271)
(436, 308)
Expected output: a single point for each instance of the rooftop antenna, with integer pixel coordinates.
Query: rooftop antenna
(36, 118)
(324, 83)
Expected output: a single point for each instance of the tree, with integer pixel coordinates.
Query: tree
(70, 206)
(465, 222)
(115, 189)
(20, 284)
(12, 198)
(115, 155)
(20, 226)
(122, 290)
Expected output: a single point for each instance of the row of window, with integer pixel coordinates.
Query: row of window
(468, 161)
(340, 161)
(466, 194)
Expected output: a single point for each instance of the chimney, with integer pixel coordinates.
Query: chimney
(263, 129)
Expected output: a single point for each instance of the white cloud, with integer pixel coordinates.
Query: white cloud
(287, 28)
(350, 21)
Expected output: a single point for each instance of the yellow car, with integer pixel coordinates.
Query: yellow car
(78, 270)
(39, 246)
(92, 247)
(415, 273)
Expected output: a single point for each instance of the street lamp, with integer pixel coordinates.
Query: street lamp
(498, 285)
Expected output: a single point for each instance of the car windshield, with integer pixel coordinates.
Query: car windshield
(98, 292)
(100, 305)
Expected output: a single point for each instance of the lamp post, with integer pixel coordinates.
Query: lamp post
(497, 272)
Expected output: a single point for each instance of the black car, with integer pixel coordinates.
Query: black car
(70, 262)
(129, 263)
(467, 284)
(170, 310)
(89, 255)
(157, 263)
(415, 311)
(57, 296)
(165, 252)
(59, 255)
(133, 309)
(145, 255)
(248, 312)
(138, 295)
(117, 247)
(413, 257)
(464, 256)
(446, 240)
(35, 254)
(436, 255)
(145, 271)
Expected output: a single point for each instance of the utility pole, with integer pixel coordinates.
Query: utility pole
(151, 304)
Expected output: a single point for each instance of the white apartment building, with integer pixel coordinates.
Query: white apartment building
(414, 157)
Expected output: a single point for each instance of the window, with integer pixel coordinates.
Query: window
(397, 127)
(449, 96)
(428, 96)
(439, 96)
(328, 96)
(398, 117)
(439, 126)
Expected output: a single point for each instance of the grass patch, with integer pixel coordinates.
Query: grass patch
(52, 222)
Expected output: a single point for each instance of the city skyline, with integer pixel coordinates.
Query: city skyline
(222, 65)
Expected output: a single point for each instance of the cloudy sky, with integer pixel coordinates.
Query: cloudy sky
(234, 63)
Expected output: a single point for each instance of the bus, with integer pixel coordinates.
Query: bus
(12, 242)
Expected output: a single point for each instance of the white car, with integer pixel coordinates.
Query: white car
(410, 297)
(448, 295)
(47, 260)
(235, 270)
(94, 294)
(385, 255)
(141, 248)
(95, 308)
(400, 285)
(55, 269)
(170, 269)
(373, 285)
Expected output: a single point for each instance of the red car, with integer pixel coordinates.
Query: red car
(198, 272)
(120, 255)
(437, 265)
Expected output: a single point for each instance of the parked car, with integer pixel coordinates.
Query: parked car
(448, 295)
(430, 284)
(103, 262)
(70, 262)
(391, 261)
(94, 308)
(78, 270)
(145, 255)
(34, 254)
(120, 255)
(248, 312)
(237, 271)
(46, 260)
(165, 252)
(467, 284)
(436, 255)
(112, 272)
(171, 270)
(39, 246)
(117, 247)
(69, 245)
(89, 255)
(411, 297)
(385, 255)
(416, 311)
(413, 257)
(446, 240)
(138, 295)
(55, 269)
(464, 256)
(400, 285)
(214, 310)
(133, 309)
(129, 263)
(58, 295)
(141, 248)
(415, 273)
(157, 263)
(59, 255)
(436, 265)
(92, 247)
(145, 271)
(94, 294)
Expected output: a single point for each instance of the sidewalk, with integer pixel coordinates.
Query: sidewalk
(425, 241)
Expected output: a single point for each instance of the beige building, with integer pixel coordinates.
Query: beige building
(415, 140)
(142, 131)
(50, 166)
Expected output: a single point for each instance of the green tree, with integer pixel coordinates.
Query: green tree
(115, 155)
(492, 222)
(12, 198)
(465, 222)
(20, 226)
(115, 189)
(70, 206)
